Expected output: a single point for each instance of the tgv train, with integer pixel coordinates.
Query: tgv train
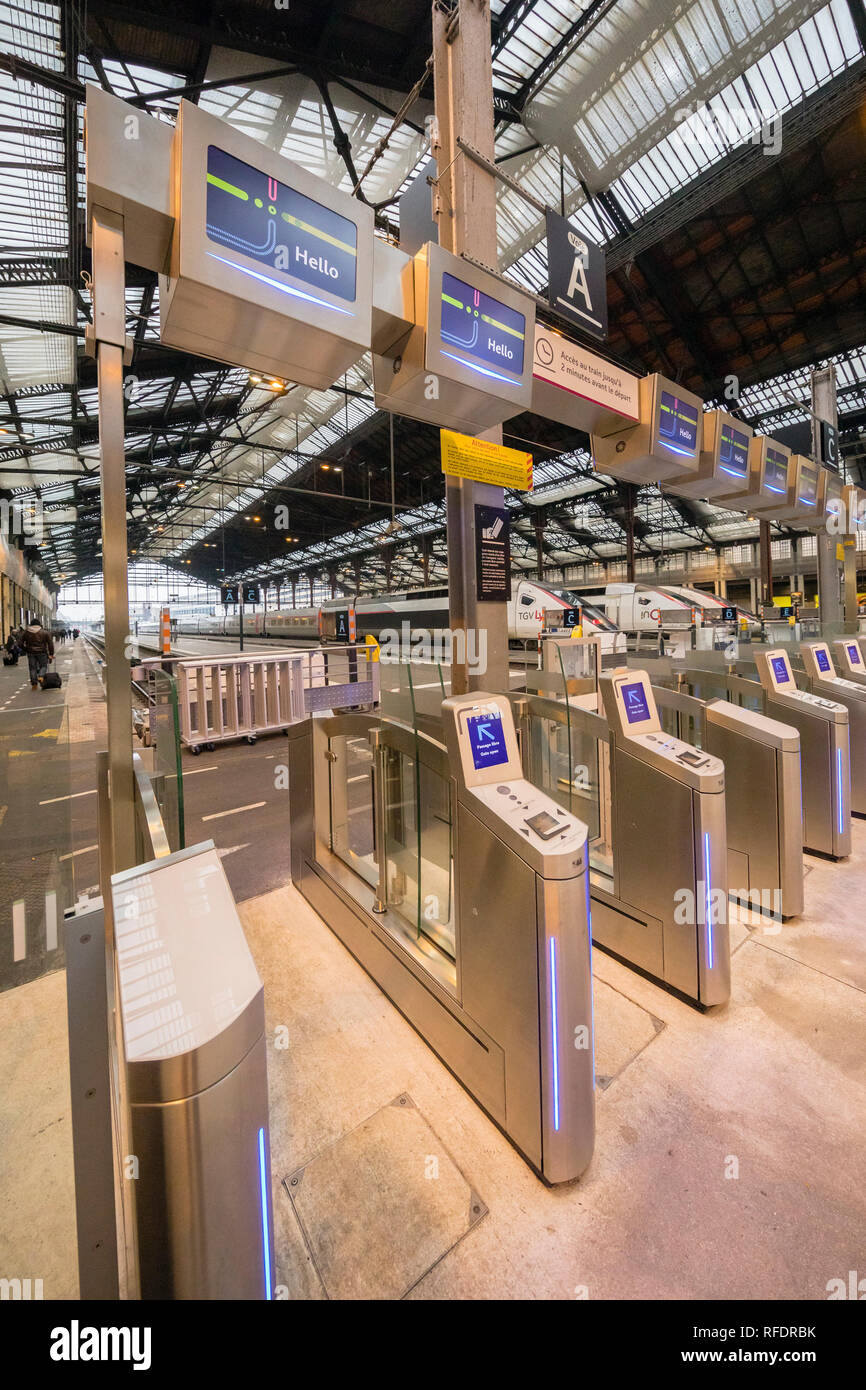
(709, 604)
(530, 608)
(642, 608)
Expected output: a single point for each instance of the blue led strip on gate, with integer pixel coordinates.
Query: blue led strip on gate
(275, 284)
(266, 1239)
(554, 1033)
(687, 453)
(839, 780)
(709, 916)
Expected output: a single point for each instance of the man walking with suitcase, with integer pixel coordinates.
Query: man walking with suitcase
(40, 650)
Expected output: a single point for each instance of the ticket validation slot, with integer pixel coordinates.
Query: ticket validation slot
(824, 753)
(822, 679)
(463, 891)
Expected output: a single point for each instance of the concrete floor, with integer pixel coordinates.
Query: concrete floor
(728, 1161)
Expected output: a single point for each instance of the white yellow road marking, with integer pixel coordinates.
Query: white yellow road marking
(217, 815)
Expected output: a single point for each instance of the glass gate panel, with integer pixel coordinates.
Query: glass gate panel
(680, 723)
(436, 859)
(353, 834)
(390, 819)
(419, 866)
(572, 766)
(164, 732)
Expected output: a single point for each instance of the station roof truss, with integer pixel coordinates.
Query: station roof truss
(718, 152)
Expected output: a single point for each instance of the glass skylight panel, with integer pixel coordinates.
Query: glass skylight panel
(658, 83)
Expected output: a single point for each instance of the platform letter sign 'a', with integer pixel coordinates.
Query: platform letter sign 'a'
(229, 593)
(576, 276)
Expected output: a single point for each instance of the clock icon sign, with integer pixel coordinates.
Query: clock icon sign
(544, 352)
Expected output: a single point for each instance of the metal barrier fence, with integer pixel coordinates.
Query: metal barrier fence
(243, 696)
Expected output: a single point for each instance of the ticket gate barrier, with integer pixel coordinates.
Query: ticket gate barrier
(649, 769)
(762, 774)
(849, 657)
(570, 666)
(762, 795)
(463, 891)
(825, 753)
(664, 913)
(822, 724)
(822, 679)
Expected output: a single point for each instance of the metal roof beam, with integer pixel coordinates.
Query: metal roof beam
(821, 109)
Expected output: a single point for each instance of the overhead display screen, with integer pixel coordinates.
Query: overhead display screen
(775, 470)
(294, 236)
(481, 332)
(734, 452)
(487, 740)
(854, 654)
(822, 659)
(678, 424)
(808, 485)
(635, 701)
(780, 669)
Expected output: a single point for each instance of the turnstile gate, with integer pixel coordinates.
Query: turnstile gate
(463, 891)
(822, 679)
(762, 796)
(658, 905)
(821, 723)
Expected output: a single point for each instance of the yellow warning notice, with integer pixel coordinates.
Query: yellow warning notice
(485, 462)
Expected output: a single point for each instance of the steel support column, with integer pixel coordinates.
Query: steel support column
(463, 96)
(766, 564)
(109, 333)
(829, 567)
(539, 520)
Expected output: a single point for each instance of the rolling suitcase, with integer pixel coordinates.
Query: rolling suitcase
(51, 681)
(10, 659)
